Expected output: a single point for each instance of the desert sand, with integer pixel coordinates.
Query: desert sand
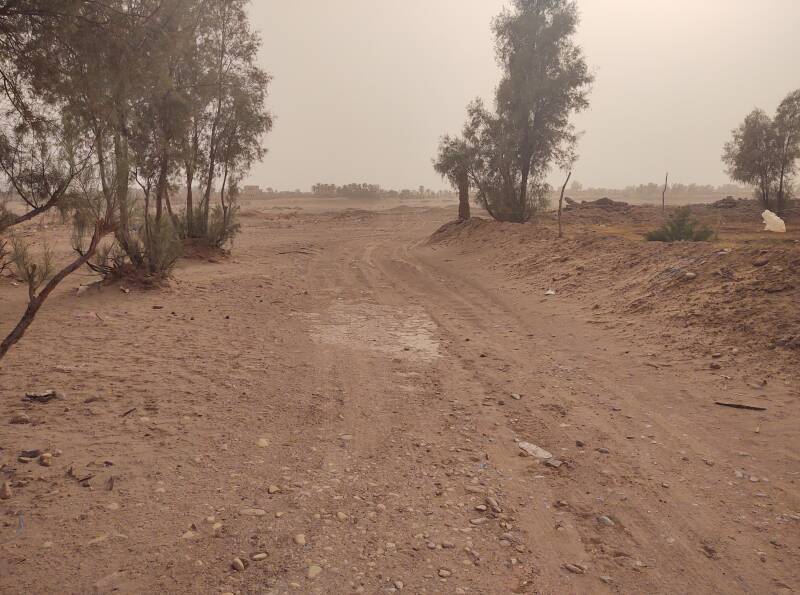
(344, 404)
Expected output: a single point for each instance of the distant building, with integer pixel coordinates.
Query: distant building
(251, 192)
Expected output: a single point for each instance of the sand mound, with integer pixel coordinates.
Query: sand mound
(745, 295)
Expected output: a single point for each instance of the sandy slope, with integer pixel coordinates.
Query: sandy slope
(367, 378)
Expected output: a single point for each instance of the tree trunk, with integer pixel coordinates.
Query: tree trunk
(161, 188)
(37, 301)
(463, 199)
(123, 170)
(561, 205)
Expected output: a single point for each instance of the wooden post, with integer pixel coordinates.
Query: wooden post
(664, 195)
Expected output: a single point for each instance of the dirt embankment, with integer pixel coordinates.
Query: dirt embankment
(731, 295)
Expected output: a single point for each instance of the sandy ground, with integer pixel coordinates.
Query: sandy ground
(340, 406)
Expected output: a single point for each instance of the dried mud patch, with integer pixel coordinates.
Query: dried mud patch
(403, 333)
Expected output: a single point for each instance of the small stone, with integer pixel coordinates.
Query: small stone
(575, 568)
(238, 565)
(478, 521)
(603, 451)
(5, 491)
(20, 419)
(516, 396)
(46, 460)
(534, 451)
(259, 557)
(263, 443)
(689, 276)
(604, 520)
(399, 585)
(554, 463)
(314, 571)
(761, 261)
(341, 516)
(300, 539)
(607, 579)
(580, 443)
(715, 366)
(481, 508)
(252, 512)
(493, 504)
(444, 573)
(273, 489)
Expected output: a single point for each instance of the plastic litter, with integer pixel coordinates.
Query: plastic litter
(773, 223)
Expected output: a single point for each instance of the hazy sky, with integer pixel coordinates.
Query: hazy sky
(363, 89)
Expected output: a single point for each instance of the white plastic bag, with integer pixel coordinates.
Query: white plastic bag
(773, 223)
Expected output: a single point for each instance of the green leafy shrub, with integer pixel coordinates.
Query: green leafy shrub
(223, 225)
(681, 227)
(161, 245)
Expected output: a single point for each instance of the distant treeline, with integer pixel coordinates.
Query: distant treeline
(652, 192)
(375, 191)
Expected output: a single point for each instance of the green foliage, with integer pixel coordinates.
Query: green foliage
(545, 80)
(764, 152)
(681, 227)
(223, 225)
(161, 246)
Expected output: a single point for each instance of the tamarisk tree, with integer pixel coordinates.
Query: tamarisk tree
(545, 81)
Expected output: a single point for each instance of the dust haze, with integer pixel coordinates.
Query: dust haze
(399, 297)
(363, 89)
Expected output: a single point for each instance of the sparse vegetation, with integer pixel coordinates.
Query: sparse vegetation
(100, 96)
(454, 163)
(764, 153)
(545, 80)
(681, 227)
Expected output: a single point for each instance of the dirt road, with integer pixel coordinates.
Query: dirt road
(348, 400)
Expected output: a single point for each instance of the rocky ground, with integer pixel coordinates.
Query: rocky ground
(344, 405)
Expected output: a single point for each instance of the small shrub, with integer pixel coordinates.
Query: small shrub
(681, 227)
(31, 270)
(161, 246)
(223, 225)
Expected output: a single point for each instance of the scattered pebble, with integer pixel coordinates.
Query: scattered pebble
(273, 489)
(238, 565)
(20, 419)
(300, 539)
(259, 557)
(314, 571)
(5, 491)
(444, 573)
(575, 568)
(604, 520)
